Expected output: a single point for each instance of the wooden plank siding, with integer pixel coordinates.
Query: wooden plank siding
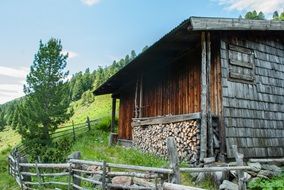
(172, 90)
(126, 113)
(254, 110)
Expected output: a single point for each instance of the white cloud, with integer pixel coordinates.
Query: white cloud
(71, 54)
(90, 2)
(9, 92)
(14, 72)
(266, 6)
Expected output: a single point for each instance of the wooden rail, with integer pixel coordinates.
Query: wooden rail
(164, 119)
(75, 171)
(145, 177)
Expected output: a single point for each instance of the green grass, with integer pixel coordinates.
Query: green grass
(276, 183)
(94, 146)
(101, 107)
(8, 139)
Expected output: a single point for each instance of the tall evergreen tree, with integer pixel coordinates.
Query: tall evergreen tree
(2, 120)
(275, 15)
(133, 55)
(254, 15)
(46, 92)
(261, 16)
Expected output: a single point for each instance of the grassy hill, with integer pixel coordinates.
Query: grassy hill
(100, 107)
(8, 139)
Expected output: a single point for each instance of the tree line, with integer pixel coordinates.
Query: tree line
(80, 86)
(254, 15)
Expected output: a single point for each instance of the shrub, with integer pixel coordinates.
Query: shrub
(276, 183)
(104, 124)
(54, 152)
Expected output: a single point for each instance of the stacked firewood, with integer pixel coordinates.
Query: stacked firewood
(153, 138)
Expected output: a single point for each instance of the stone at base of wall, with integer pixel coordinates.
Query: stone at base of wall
(125, 143)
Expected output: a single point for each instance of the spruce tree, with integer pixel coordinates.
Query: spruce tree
(275, 15)
(2, 120)
(46, 92)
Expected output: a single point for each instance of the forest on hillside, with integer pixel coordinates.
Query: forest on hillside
(80, 86)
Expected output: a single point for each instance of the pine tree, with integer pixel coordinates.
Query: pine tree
(2, 120)
(133, 55)
(144, 49)
(254, 15)
(46, 92)
(275, 15)
(261, 16)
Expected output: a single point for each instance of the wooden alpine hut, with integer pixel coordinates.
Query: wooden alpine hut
(210, 83)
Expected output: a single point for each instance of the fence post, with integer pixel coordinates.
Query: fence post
(88, 123)
(19, 173)
(38, 174)
(23, 159)
(241, 175)
(74, 135)
(69, 177)
(104, 183)
(173, 158)
(76, 181)
(39, 161)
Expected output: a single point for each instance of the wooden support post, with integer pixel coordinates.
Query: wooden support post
(104, 182)
(88, 123)
(135, 99)
(203, 131)
(76, 181)
(112, 139)
(38, 175)
(39, 161)
(19, 174)
(173, 158)
(69, 177)
(140, 97)
(210, 128)
(241, 175)
(113, 114)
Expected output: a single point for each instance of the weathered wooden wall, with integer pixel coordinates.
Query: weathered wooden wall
(171, 90)
(253, 94)
(126, 113)
(175, 89)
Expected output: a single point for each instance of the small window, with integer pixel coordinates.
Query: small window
(241, 64)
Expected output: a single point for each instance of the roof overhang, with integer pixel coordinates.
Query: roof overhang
(181, 39)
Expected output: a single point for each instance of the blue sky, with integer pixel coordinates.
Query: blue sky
(96, 32)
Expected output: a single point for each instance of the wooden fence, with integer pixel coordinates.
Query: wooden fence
(77, 174)
(73, 131)
(85, 174)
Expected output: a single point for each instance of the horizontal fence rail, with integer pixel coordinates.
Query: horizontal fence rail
(79, 174)
(72, 131)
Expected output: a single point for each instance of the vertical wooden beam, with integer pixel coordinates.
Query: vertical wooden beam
(113, 114)
(203, 130)
(240, 162)
(135, 99)
(210, 128)
(76, 181)
(140, 96)
(174, 161)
